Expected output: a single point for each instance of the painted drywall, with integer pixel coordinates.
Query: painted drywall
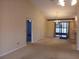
(50, 28)
(77, 30)
(77, 23)
(13, 24)
(0, 24)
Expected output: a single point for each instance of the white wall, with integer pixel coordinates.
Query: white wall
(77, 29)
(77, 23)
(50, 29)
(0, 25)
(13, 29)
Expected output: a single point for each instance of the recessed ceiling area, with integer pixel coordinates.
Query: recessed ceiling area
(51, 9)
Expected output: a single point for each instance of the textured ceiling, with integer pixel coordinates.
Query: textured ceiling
(51, 9)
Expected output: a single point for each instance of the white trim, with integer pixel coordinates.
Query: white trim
(12, 51)
(31, 31)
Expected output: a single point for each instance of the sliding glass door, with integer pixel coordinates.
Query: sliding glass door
(62, 30)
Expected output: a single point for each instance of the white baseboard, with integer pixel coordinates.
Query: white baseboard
(12, 51)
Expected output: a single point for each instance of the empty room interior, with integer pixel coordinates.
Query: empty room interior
(39, 29)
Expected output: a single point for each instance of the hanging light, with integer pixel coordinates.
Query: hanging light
(61, 2)
(73, 2)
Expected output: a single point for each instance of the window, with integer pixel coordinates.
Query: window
(62, 29)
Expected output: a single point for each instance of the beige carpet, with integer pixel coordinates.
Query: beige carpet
(46, 49)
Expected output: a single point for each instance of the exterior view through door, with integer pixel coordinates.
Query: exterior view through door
(29, 31)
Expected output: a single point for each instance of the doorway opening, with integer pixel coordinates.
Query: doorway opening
(28, 31)
(62, 30)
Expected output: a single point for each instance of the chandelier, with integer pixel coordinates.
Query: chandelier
(63, 2)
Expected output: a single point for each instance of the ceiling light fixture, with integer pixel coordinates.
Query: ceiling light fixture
(63, 2)
(73, 2)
